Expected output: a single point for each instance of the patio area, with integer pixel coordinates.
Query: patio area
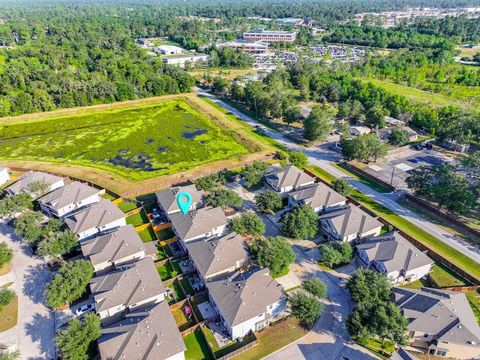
(187, 266)
(220, 333)
(207, 310)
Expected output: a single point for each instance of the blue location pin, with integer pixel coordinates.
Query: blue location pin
(184, 200)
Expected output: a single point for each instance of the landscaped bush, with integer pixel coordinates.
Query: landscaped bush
(334, 253)
(6, 295)
(6, 254)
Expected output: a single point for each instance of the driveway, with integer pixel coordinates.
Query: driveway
(322, 158)
(35, 332)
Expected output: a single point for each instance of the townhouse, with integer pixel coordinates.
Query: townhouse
(394, 256)
(146, 333)
(320, 197)
(110, 251)
(247, 301)
(217, 256)
(270, 36)
(69, 198)
(287, 179)
(440, 322)
(167, 199)
(197, 224)
(128, 288)
(4, 176)
(96, 218)
(27, 182)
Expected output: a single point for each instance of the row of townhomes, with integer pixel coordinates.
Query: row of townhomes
(245, 297)
(127, 292)
(440, 322)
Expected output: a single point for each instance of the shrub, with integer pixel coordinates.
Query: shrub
(316, 287)
(6, 296)
(334, 253)
(268, 201)
(6, 254)
(249, 223)
(274, 253)
(300, 223)
(306, 308)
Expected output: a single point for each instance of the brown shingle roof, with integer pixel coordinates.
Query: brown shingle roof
(71, 193)
(318, 195)
(198, 222)
(31, 177)
(94, 216)
(168, 198)
(288, 176)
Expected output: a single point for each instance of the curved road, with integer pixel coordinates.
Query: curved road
(322, 158)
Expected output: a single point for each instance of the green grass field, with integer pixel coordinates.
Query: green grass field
(197, 347)
(137, 143)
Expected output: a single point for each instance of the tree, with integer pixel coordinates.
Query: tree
(6, 296)
(249, 223)
(342, 186)
(210, 182)
(306, 308)
(57, 243)
(10, 355)
(319, 123)
(376, 117)
(253, 173)
(298, 158)
(420, 180)
(369, 285)
(398, 136)
(6, 254)
(334, 253)
(69, 283)
(274, 253)
(224, 198)
(316, 287)
(269, 201)
(11, 205)
(77, 342)
(28, 226)
(300, 223)
(365, 147)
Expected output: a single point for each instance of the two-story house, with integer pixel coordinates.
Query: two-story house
(348, 224)
(394, 256)
(27, 182)
(167, 199)
(69, 198)
(247, 301)
(127, 288)
(319, 197)
(287, 179)
(95, 218)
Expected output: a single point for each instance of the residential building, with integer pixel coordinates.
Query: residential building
(25, 182)
(287, 179)
(349, 223)
(359, 130)
(394, 256)
(125, 289)
(247, 301)
(169, 50)
(270, 36)
(71, 197)
(197, 224)
(319, 197)
(4, 176)
(217, 256)
(95, 218)
(251, 47)
(148, 333)
(440, 322)
(114, 249)
(182, 59)
(402, 354)
(167, 199)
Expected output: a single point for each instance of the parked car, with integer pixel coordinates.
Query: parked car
(85, 309)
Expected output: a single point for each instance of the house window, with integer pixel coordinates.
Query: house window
(426, 335)
(441, 353)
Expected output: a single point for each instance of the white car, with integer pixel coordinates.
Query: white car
(85, 309)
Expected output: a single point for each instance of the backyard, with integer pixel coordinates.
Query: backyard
(169, 270)
(137, 143)
(137, 219)
(197, 347)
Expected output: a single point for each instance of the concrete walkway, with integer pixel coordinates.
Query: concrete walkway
(323, 158)
(35, 332)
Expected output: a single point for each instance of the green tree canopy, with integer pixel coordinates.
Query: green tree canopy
(300, 223)
(342, 186)
(398, 136)
(253, 173)
(10, 205)
(249, 223)
(316, 287)
(306, 308)
(57, 243)
(224, 198)
(368, 285)
(274, 253)
(210, 182)
(268, 201)
(319, 123)
(298, 158)
(6, 254)
(334, 253)
(28, 226)
(77, 342)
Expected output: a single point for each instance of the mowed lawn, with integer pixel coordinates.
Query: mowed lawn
(137, 143)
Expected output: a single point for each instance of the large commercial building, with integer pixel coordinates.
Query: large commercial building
(270, 36)
(249, 46)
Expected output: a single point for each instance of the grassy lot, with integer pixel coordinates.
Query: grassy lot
(148, 235)
(165, 234)
(5, 269)
(226, 349)
(474, 300)
(421, 235)
(163, 252)
(137, 219)
(178, 293)
(127, 206)
(274, 338)
(362, 179)
(383, 350)
(187, 286)
(229, 74)
(9, 315)
(280, 274)
(181, 319)
(137, 143)
(107, 196)
(197, 347)
(443, 276)
(169, 270)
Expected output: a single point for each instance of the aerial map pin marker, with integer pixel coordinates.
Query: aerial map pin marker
(184, 200)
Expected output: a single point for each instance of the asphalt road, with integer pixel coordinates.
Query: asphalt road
(323, 158)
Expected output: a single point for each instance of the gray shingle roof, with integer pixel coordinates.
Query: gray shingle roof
(351, 220)
(445, 314)
(402, 354)
(168, 198)
(198, 222)
(127, 286)
(31, 177)
(113, 246)
(318, 195)
(395, 252)
(149, 333)
(288, 176)
(242, 296)
(71, 193)
(212, 256)
(94, 216)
